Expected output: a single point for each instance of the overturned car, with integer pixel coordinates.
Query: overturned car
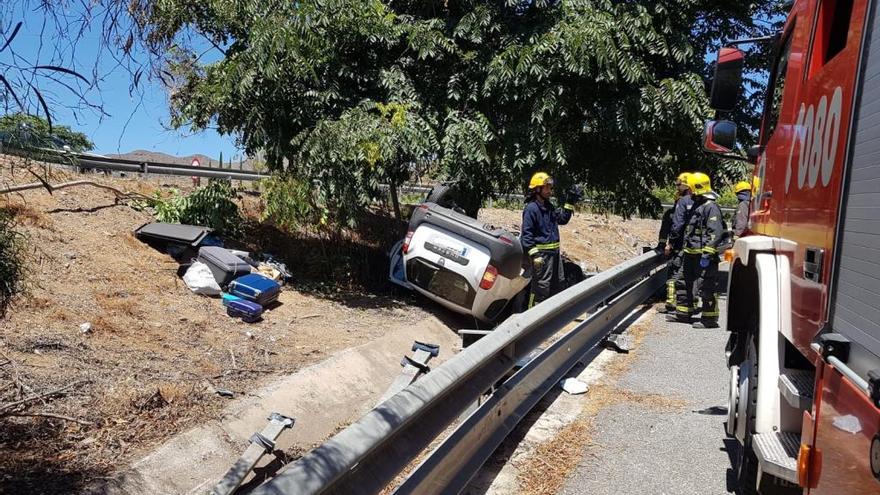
(464, 264)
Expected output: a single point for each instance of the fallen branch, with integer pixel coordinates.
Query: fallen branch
(4, 408)
(44, 185)
(245, 370)
(22, 386)
(49, 415)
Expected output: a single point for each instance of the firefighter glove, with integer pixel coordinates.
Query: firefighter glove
(705, 261)
(538, 262)
(575, 194)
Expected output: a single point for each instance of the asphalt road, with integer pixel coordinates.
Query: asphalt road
(672, 442)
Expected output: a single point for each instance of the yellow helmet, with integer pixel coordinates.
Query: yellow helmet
(742, 186)
(683, 177)
(699, 183)
(540, 179)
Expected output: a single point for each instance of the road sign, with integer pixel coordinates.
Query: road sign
(197, 181)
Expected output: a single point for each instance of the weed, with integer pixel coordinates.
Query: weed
(211, 206)
(12, 260)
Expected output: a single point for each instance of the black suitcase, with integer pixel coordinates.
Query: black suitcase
(225, 266)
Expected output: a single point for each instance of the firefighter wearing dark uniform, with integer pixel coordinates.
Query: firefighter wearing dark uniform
(743, 192)
(703, 235)
(540, 236)
(671, 233)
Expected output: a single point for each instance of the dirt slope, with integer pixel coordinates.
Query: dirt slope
(156, 354)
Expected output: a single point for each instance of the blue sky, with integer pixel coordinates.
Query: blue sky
(132, 123)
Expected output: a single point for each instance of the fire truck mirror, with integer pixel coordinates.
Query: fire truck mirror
(719, 136)
(728, 79)
(753, 153)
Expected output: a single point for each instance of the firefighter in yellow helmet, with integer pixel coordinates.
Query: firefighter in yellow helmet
(703, 235)
(671, 233)
(743, 192)
(540, 235)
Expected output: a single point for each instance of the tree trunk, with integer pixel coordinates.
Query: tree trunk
(395, 202)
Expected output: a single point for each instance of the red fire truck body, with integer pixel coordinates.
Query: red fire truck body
(804, 286)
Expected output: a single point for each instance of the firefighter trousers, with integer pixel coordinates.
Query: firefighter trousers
(546, 279)
(674, 272)
(702, 281)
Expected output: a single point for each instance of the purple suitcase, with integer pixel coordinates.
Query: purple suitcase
(237, 307)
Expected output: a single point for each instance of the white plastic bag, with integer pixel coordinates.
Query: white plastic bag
(199, 279)
(573, 386)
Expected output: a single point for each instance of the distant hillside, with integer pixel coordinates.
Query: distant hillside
(159, 157)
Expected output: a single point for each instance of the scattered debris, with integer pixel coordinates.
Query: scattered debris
(573, 386)
(85, 327)
(261, 443)
(154, 401)
(620, 342)
(162, 234)
(199, 279)
(225, 266)
(222, 392)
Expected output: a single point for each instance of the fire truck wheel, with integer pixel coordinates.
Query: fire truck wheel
(732, 401)
(747, 462)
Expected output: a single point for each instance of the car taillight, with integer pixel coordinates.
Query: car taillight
(506, 240)
(489, 277)
(409, 235)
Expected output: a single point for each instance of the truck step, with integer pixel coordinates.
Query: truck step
(796, 387)
(777, 454)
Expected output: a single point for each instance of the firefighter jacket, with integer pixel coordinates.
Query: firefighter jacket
(540, 226)
(706, 229)
(741, 217)
(684, 208)
(665, 226)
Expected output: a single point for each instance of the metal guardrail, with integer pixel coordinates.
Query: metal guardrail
(417, 189)
(82, 160)
(365, 457)
(146, 167)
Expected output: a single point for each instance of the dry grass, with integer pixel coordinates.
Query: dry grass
(30, 216)
(118, 304)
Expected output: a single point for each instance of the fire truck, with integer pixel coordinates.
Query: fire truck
(804, 283)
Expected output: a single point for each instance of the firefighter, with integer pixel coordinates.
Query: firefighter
(540, 235)
(702, 237)
(671, 230)
(743, 192)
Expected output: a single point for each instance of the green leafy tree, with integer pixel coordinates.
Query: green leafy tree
(602, 92)
(32, 131)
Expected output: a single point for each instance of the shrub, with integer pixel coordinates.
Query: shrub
(210, 206)
(12, 245)
(289, 203)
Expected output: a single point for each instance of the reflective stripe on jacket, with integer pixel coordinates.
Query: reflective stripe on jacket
(540, 226)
